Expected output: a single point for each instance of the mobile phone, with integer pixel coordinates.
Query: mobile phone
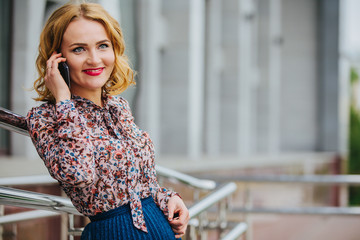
(65, 73)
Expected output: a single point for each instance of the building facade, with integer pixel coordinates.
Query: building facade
(215, 78)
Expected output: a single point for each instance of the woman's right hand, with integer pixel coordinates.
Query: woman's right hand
(179, 223)
(53, 79)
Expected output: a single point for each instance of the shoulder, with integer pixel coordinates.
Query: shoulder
(44, 110)
(121, 107)
(40, 117)
(118, 101)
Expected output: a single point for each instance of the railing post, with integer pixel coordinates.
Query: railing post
(195, 232)
(2, 210)
(192, 233)
(71, 225)
(343, 196)
(203, 222)
(64, 223)
(248, 205)
(13, 231)
(63, 227)
(222, 215)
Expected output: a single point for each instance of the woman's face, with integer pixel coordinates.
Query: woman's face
(89, 54)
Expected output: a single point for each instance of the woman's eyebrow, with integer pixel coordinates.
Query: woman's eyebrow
(104, 41)
(85, 44)
(78, 44)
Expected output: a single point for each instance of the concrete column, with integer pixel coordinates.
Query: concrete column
(152, 39)
(328, 44)
(27, 26)
(214, 62)
(275, 45)
(246, 78)
(196, 78)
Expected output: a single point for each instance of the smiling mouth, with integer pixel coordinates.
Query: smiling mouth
(93, 71)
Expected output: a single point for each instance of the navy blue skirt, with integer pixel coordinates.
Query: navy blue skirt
(117, 224)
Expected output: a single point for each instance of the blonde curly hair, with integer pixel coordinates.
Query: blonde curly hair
(122, 75)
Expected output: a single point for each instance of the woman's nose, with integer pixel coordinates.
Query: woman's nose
(93, 58)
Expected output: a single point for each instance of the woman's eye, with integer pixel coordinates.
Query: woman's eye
(78, 49)
(104, 45)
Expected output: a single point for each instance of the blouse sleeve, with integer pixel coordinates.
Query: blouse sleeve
(61, 140)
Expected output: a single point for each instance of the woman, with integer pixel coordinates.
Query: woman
(87, 136)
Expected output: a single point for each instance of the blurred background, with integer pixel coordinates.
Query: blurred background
(224, 87)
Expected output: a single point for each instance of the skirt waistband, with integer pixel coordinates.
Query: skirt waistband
(118, 211)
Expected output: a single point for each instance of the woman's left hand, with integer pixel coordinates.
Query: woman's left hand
(178, 215)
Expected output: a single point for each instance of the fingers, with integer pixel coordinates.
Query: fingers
(53, 79)
(174, 205)
(171, 212)
(178, 216)
(53, 61)
(181, 218)
(179, 226)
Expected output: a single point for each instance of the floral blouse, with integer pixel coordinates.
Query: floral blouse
(100, 157)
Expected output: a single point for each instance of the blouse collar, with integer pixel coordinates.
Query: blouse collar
(108, 102)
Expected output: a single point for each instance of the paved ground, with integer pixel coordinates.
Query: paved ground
(292, 227)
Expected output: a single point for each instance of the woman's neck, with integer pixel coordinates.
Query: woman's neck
(94, 96)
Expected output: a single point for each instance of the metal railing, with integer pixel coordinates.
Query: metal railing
(188, 180)
(13, 122)
(26, 216)
(33, 200)
(55, 205)
(340, 181)
(311, 179)
(49, 205)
